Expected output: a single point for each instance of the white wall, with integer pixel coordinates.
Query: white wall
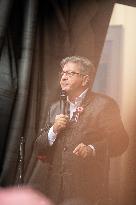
(126, 16)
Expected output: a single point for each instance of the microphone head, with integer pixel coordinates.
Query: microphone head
(63, 95)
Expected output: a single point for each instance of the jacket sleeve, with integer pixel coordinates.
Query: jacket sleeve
(112, 130)
(41, 145)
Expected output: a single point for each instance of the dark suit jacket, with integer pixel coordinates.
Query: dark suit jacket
(100, 125)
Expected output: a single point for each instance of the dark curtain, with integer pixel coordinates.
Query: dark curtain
(20, 30)
(34, 36)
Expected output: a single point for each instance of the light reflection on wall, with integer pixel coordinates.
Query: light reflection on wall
(116, 76)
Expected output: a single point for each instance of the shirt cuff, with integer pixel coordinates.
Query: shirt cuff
(93, 149)
(51, 136)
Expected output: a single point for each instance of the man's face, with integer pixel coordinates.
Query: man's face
(71, 80)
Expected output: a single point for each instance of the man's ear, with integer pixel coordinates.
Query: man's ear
(86, 80)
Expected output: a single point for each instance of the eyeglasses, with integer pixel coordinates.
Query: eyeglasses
(69, 73)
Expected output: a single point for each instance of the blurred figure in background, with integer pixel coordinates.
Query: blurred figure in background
(22, 196)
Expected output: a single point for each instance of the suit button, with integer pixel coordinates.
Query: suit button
(64, 149)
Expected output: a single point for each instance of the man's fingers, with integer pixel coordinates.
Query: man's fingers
(60, 123)
(61, 120)
(79, 148)
(76, 149)
(61, 116)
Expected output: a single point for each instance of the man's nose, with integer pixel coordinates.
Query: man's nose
(64, 76)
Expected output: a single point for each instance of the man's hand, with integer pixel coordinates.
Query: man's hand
(83, 150)
(60, 123)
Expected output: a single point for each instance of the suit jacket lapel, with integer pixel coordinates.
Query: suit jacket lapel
(88, 98)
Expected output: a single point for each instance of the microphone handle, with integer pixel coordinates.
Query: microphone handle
(63, 102)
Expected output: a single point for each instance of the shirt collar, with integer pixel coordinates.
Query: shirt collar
(79, 99)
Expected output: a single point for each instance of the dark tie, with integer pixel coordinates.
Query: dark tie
(74, 117)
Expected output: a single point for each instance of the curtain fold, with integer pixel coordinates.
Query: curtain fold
(19, 112)
(5, 12)
(8, 78)
(8, 86)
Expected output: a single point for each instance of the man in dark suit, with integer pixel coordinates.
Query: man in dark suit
(79, 141)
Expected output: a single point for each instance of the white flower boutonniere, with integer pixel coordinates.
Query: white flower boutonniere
(79, 110)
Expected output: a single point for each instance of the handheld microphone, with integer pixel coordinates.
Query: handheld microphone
(63, 102)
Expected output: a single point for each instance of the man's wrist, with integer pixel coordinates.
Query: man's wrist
(51, 136)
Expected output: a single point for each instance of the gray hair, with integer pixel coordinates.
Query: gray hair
(86, 66)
